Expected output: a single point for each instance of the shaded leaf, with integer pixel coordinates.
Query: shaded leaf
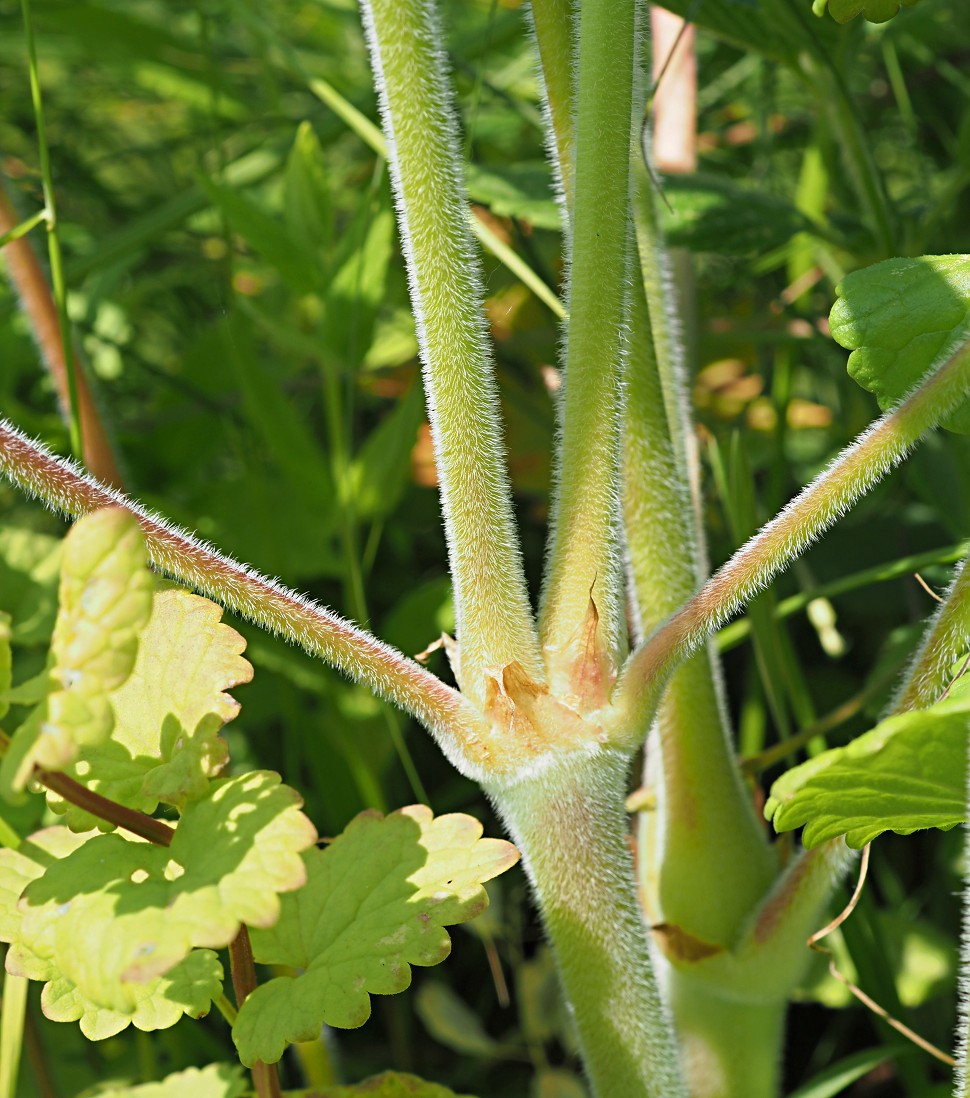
(901, 317)
(376, 902)
(707, 214)
(453, 1023)
(307, 191)
(908, 773)
(30, 564)
(114, 914)
(5, 662)
(166, 745)
(876, 11)
(382, 468)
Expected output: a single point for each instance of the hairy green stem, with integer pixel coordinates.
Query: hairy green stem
(494, 620)
(452, 719)
(566, 815)
(947, 638)
(812, 511)
(553, 23)
(584, 564)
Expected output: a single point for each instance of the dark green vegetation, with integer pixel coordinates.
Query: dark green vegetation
(240, 302)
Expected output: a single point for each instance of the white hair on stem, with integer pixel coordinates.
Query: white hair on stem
(881, 447)
(66, 488)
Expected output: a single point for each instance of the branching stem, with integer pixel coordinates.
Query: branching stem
(64, 487)
(780, 541)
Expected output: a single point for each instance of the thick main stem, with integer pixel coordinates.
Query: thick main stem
(566, 815)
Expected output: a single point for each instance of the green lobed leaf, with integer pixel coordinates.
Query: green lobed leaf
(376, 902)
(166, 745)
(113, 914)
(187, 989)
(898, 317)
(214, 1081)
(105, 601)
(908, 773)
(154, 1004)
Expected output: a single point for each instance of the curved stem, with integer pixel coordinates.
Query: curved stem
(554, 25)
(453, 721)
(780, 541)
(494, 619)
(40, 309)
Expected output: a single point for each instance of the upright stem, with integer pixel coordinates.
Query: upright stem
(555, 37)
(584, 564)
(566, 815)
(494, 620)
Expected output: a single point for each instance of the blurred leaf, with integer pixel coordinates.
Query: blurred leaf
(5, 662)
(268, 237)
(558, 1083)
(835, 1079)
(30, 565)
(708, 214)
(376, 901)
(453, 1023)
(908, 773)
(309, 213)
(523, 191)
(389, 1084)
(214, 1081)
(876, 11)
(381, 469)
(774, 28)
(899, 318)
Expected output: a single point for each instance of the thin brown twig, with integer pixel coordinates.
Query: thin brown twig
(926, 587)
(265, 1076)
(856, 991)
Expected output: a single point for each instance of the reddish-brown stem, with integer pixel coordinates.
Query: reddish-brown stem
(155, 831)
(456, 723)
(265, 1076)
(31, 285)
(147, 827)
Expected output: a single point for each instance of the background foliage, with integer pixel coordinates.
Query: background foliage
(240, 303)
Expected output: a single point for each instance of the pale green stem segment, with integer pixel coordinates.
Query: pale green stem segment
(812, 511)
(494, 620)
(566, 815)
(452, 719)
(706, 839)
(961, 1083)
(947, 638)
(730, 1005)
(584, 564)
(554, 28)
